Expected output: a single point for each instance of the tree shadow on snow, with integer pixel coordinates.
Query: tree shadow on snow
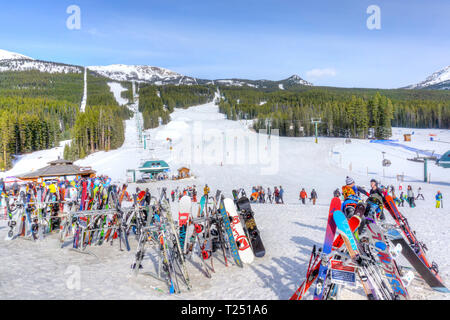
(322, 229)
(282, 275)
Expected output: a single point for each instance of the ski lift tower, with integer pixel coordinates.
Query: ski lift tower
(146, 137)
(268, 126)
(316, 121)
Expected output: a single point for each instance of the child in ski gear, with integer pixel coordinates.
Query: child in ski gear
(351, 189)
(439, 200)
(419, 194)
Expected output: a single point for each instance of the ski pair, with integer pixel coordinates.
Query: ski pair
(413, 249)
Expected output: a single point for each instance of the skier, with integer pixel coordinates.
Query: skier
(313, 196)
(303, 196)
(351, 189)
(419, 194)
(281, 194)
(410, 195)
(262, 196)
(439, 200)
(276, 194)
(15, 188)
(269, 194)
(337, 193)
(206, 191)
(194, 194)
(172, 194)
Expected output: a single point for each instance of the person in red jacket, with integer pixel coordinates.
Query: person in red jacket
(303, 196)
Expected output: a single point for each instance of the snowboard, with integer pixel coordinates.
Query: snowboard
(381, 249)
(410, 235)
(184, 211)
(327, 247)
(245, 249)
(428, 275)
(229, 234)
(14, 222)
(248, 216)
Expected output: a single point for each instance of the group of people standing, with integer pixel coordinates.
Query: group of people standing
(407, 196)
(190, 191)
(303, 196)
(261, 195)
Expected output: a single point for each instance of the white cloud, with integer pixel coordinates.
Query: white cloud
(321, 73)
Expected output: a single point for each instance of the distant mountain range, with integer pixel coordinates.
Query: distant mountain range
(439, 80)
(10, 61)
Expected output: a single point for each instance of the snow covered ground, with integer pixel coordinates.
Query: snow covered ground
(201, 139)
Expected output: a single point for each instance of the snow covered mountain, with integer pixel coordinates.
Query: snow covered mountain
(282, 84)
(155, 75)
(7, 55)
(295, 79)
(439, 80)
(10, 61)
(42, 66)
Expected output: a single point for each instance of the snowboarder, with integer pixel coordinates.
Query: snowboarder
(439, 200)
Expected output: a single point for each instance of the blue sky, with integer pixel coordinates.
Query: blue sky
(325, 42)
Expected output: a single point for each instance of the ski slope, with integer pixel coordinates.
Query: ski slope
(199, 140)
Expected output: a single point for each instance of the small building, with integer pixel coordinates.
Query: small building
(184, 173)
(444, 161)
(407, 137)
(150, 169)
(58, 169)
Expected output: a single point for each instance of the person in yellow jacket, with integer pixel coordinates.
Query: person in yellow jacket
(206, 191)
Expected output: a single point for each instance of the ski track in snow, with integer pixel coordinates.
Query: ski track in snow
(84, 101)
(288, 231)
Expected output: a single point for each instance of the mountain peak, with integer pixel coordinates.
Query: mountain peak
(296, 79)
(438, 80)
(7, 55)
(142, 73)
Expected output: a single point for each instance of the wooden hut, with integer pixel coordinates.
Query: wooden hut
(184, 173)
(58, 169)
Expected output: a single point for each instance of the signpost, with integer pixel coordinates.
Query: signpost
(316, 122)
